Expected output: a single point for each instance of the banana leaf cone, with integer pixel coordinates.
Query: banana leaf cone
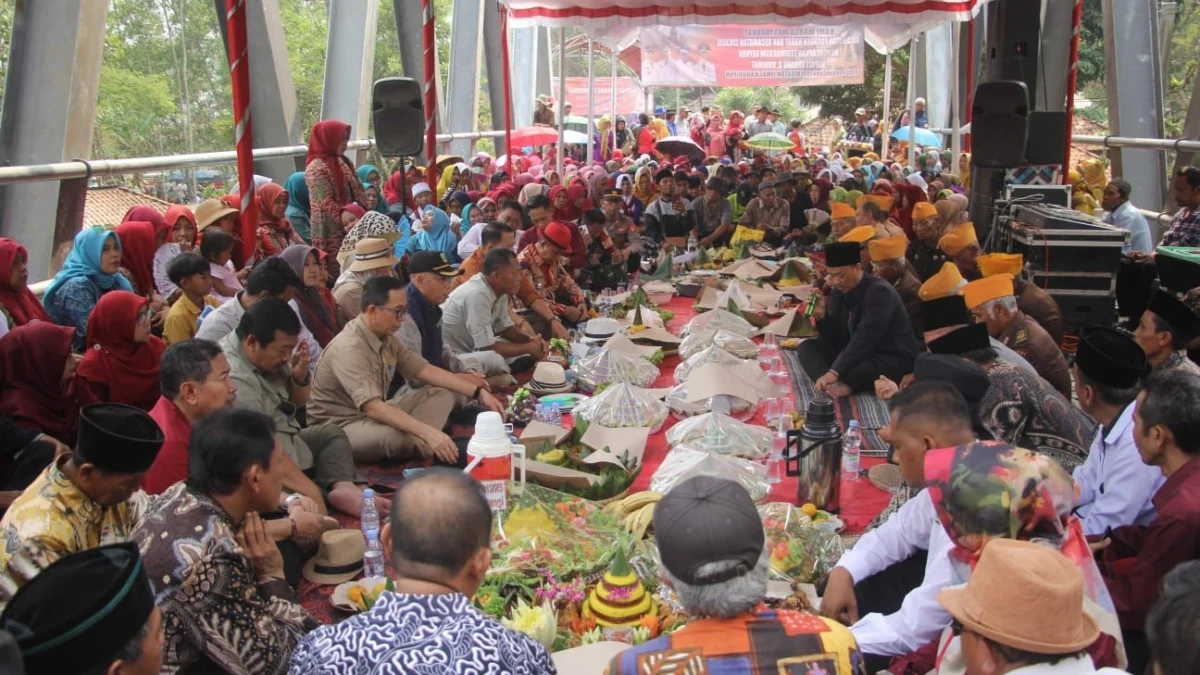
(663, 272)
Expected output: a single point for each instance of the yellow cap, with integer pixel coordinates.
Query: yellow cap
(840, 210)
(891, 248)
(988, 288)
(999, 263)
(924, 210)
(871, 157)
(854, 162)
(883, 201)
(959, 237)
(944, 283)
(860, 234)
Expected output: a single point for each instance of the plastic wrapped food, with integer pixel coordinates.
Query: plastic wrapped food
(548, 530)
(730, 405)
(696, 342)
(719, 319)
(800, 550)
(607, 366)
(623, 405)
(682, 463)
(719, 433)
(712, 354)
(736, 344)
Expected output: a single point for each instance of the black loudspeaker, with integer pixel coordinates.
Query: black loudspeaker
(399, 117)
(1047, 137)
(999, 124)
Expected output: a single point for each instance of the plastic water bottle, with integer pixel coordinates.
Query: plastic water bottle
(373, 558)
(851, 451)
(775, 459)
(692, 244)
(555, 415)
(370, 516)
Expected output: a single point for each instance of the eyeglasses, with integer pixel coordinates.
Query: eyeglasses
(398, 311)
(143, 316)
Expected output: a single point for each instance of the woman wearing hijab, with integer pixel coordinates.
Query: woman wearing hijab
(137, 254)
(631, 206)
(476, 217)
(18, 304)
(716, 135)
(368, 175)
(529, 192)
(122, 358)
(820, 192)
(437, 236)
(964, 169)
(391, 189)
(560, 202)
(317, 306)
(298, 208)
(951, 211)
(275, 233)
(623, 140)
(91, 270)
(645, 136)
(180, 239)
(39, 386)
(372, 199)
(149, 214)
(372, 225)
(332, 183)
(446, 183)
(910, 194)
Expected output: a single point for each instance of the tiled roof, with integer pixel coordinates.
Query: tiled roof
(108, 205)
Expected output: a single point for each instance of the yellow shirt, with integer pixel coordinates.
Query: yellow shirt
(182, 318)
(53, 518)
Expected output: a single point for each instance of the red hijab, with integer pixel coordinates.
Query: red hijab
(567, 213)
(128, 369)
(137, 253)
(266, 196)
(32, 360)
(149, 214)
(178, 211)
(323, 142)
(911, 194)
(22, 305)
(391, 189)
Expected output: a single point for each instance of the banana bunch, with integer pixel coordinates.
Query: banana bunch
(636, 511)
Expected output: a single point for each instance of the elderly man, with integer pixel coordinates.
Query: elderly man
(714, 556)
(353, 377)
(759, 125)
(947, 281)
(1164, 331)
(769, 213)
(920, 116)
(1120, 212)
(1115, 487)
(888, 263)
(1051, 633)
(961, 246)
(923, 252)
(620, 227)
(605, 266)
(438, 569)
(859, 132)
(712, 214)
(476, 322)
(992, 301)
(870, 213)
(500, 234)
(668, 220)
(864, 330)
(86, 498)
(543, 265)
(225, 601)
(842, 219)
(372, 258)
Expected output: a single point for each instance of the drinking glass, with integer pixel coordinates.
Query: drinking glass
(772, 410)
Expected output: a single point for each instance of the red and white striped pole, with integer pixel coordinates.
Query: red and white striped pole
(427, 38)
(507, 91)
(239, 71)
(1072, 74)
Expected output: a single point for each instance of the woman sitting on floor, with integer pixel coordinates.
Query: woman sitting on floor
(39, 386)
(122, 358)
(18, 304)
(91, 270)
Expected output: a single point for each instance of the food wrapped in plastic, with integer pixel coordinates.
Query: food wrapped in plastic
(608, 366)
(624, 405)
(799, 549)
(736, 344)
(682, 463)
(696, 342)
(719, 319)
(712, 354)
(730, 405)
(718, 432)
(548, 530)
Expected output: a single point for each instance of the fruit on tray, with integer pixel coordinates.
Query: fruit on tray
(553, 456)
(636, 511)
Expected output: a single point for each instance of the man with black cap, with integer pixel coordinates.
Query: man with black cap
(1115, 487)
(88, 498)
(769, 213)
(667, 219)
(864, 331)
(1166, 328)
(89, 613)
(712, 215)
(714, 557)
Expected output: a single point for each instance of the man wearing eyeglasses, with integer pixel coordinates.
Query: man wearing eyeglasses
(352, 380)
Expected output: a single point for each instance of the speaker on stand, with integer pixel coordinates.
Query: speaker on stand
(999, 134)
(398, 110)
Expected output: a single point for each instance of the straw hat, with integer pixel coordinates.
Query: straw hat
(339, 557)
(210, 211)
(548, 378)
(1024, 595)
(370, 254)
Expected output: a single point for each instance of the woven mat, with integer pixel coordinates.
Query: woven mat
(870, 411)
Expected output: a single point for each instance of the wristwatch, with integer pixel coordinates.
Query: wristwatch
(475, 395)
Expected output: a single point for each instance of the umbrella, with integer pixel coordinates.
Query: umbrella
(925, 137)
(577, 137)
(770, 141)
(575, 123)
(681, 145)
(530, 136)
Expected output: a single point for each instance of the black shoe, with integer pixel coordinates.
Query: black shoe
(465, 415)
(522, 364)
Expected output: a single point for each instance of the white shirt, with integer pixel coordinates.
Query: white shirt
(224, 319)
(472, 240)
(920, 619)
(1127, 217)
(1115, 486)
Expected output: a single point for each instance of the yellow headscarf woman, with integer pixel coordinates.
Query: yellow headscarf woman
(602, 129)
(1093, 176)
(449, 174)
(643, 185)
(1082, 199)
(964, 169)
(660, 128)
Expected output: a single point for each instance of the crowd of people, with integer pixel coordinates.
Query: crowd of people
(183, 409)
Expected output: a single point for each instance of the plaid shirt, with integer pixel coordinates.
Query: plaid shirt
(1185, 228)
(552, 281)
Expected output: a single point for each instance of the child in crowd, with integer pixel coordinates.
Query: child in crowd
(191, 273)
(217, 249)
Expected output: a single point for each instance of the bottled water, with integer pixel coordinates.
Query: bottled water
(555, 415)
(775, 459)
(692, 244)
(539, 413)
(851, 450)
(370, 516)
(373, 558)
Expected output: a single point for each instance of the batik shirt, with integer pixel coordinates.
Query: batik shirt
(764, 641)
(417, 634)
(53, 518)
(216, 615)
(552, 282)
(1178, 360)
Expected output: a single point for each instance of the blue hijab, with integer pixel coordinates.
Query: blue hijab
(437, 237)
(298, 210)
(364, 171)
(84, 261)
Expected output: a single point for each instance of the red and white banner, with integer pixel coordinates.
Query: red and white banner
(752, 56)
(629, 95)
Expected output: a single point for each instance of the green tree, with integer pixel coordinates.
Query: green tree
(743, 98)
(130, 113)
(844, 100)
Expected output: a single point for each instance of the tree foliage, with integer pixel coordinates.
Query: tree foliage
(743, 98)
(844, 100)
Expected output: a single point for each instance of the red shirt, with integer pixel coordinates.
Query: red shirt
(171, 464)
(578, 257)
